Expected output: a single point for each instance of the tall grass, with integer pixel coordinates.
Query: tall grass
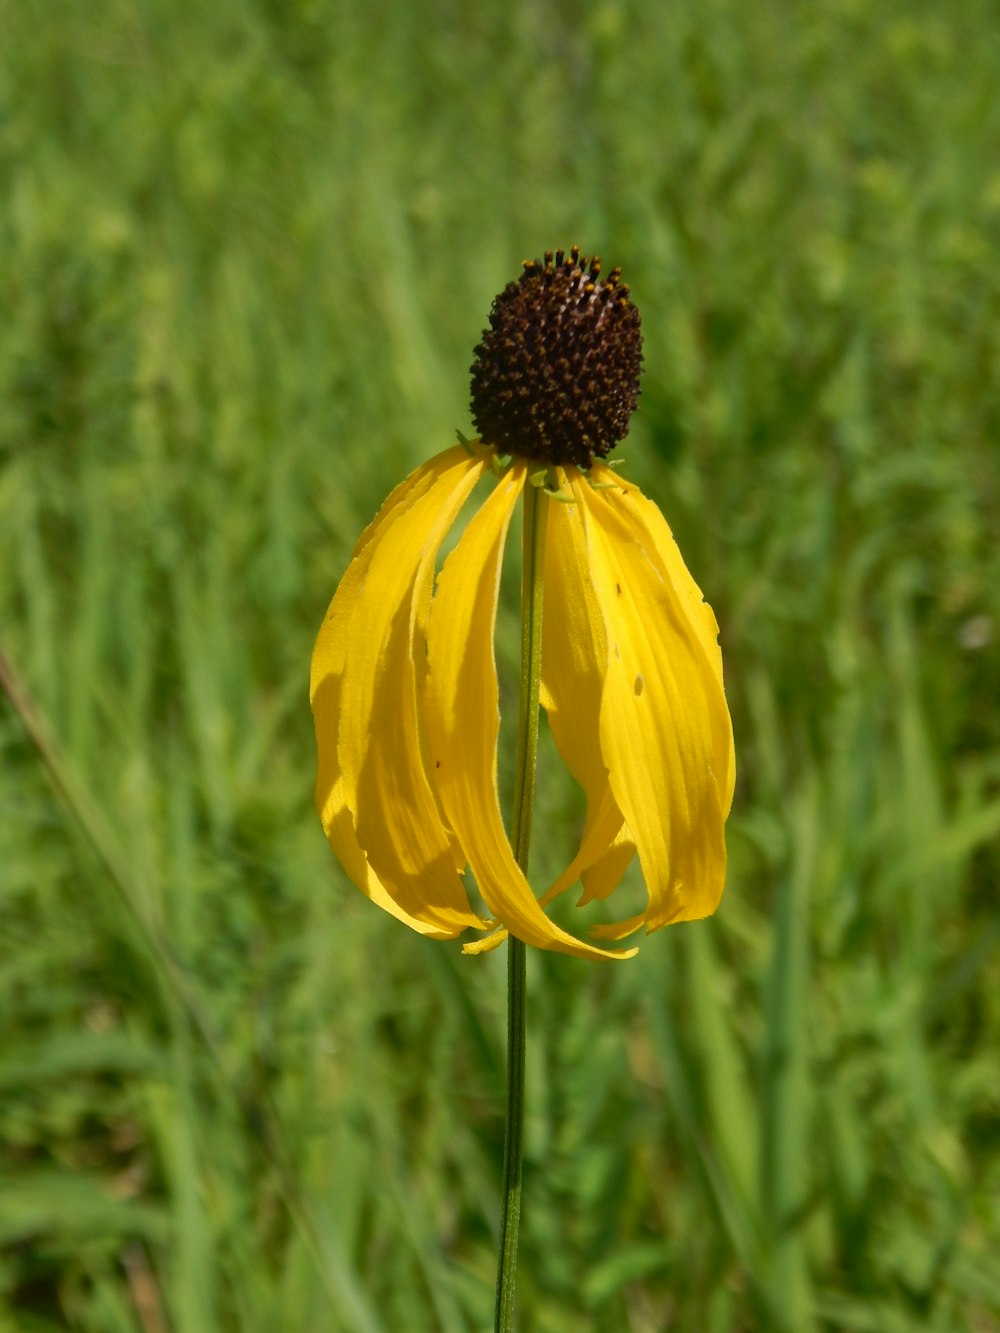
(245, 252)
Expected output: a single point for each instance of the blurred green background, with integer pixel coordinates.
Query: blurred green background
(246, 249)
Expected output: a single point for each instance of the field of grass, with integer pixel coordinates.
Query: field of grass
(246, 249)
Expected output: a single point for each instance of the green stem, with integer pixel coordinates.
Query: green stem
(533, 545)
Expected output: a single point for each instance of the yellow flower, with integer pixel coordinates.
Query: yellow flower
(404, 684)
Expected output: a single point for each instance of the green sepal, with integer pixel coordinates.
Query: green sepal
(472, 446)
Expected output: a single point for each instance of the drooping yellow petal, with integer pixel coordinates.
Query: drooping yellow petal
(664, 725)
(617, 930)
(463, 720)
(648, 521)
(373, 790)
(574, 652)
(488, 942)
(602, 878)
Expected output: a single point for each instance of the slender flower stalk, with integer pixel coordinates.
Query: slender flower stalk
(536, 512)
(533, 561)
(404, 685)
(513, 1143)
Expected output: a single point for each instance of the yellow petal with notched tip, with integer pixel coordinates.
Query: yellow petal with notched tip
(664, 725)
(463, 720)
(373, 790)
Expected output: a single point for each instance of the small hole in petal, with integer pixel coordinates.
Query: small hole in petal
(639, 683)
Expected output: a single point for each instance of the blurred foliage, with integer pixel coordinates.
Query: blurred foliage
(245, 252)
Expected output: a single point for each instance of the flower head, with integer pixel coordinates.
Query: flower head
(404, 684)
(556, 376)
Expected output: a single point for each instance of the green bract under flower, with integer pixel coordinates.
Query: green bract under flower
(405, 697)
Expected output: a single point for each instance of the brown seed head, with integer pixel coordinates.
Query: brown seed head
(556, 376)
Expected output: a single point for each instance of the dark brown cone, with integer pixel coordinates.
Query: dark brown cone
(556, 376)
